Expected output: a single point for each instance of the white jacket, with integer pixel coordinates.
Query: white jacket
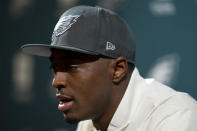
(148, 105)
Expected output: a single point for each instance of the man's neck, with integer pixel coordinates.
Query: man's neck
(103, 121)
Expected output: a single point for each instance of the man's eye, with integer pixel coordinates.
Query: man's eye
(73, 67)
(64, 68)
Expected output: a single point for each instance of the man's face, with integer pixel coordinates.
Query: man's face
(84, 85)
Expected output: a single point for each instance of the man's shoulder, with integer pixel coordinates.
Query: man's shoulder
(164, 96)
(169, 107)
(178, 112)
(163, 99)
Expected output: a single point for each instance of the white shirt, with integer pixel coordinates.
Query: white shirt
(148, 105)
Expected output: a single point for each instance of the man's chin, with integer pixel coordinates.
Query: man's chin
(71, 120)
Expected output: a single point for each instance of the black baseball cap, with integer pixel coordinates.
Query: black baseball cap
(89, 30)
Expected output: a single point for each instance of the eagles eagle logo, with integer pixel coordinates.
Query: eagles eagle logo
(64, 24)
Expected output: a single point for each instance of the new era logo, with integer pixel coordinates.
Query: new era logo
(110, 46)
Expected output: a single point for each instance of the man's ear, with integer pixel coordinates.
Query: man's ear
(120, 69)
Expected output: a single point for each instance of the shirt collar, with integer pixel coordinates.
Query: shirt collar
(122, 114)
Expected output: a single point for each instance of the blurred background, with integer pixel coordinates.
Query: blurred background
(166, 37)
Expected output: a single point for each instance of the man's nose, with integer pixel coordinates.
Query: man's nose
(59, 80)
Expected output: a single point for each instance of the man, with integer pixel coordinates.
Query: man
(93, 56)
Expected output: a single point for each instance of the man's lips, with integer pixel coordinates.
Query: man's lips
(65, 102)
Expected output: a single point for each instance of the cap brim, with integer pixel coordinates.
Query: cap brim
(45, 50)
